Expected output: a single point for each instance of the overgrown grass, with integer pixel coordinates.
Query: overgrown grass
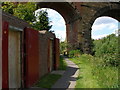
(94, 74)
(62, 64)
(48, 80)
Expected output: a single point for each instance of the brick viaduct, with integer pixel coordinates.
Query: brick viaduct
(79, 18)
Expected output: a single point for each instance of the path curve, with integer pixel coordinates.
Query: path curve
(68, 79)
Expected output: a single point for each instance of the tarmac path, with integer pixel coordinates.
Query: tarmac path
(68, 79)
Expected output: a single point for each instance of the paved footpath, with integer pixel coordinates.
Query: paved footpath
(68, 79)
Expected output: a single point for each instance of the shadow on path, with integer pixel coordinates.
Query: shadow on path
(68, 80)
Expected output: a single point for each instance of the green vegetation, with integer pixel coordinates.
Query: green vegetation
(26, 11)
(42, 22)
(93, 73)
(107, 49)
(62, 64)
(48, 81)
(63, 47)
(75, 53)
(100, 70)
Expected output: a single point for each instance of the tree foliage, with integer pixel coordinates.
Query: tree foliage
(8, 7)
(42, 21)
(26, 12)
(75, 53)
(63, 47)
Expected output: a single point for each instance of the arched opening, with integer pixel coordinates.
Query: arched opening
(105, 38)
(57, 22)
(103, 26)
(110, 12)
(71, 17)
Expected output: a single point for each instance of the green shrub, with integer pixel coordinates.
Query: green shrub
(111, 60)
(107, 49)
(75, 53)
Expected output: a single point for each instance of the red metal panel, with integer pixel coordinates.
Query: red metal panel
(32, 57)
(5, 55)
(57, 53)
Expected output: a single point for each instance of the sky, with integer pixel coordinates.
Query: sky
(58, 23)
(104, 26)
(101, 27)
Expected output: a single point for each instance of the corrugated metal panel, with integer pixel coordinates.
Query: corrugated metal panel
(5, 55)
(14, 59)
(50, 55)
(32, 57)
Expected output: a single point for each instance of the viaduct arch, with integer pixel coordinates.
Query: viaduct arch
(79, 18)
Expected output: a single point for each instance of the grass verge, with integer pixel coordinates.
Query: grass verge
(93, 73)
(48, 80)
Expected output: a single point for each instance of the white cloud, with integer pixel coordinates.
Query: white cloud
(100, 31)
(99, 36)
(98, 27)
(60, 34)
(105, 20)
(104, 26)
(113, 26)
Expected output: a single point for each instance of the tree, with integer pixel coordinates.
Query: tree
(63, 47)
(8, 7)
(26, 12)
(42, 21)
